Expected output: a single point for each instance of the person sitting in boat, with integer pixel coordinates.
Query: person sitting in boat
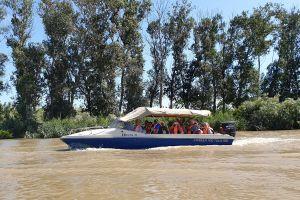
(189, 127)
(194, 127)
(170, 125)
(176, 128)
(138, 126)
(157, 128)
(164, 127)
(207, 129)
(148, 127)
(128, 126)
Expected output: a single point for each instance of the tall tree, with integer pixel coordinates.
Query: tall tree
(289, 54)
(245, 75)
(225, 56)
(58, 19)
(94, 52)
(260, 28)
(282, 76)
(3, 57)
(28, 60)
(208, 66)
(131, 65)
(272, 81)
(159, 43)
(180, 26)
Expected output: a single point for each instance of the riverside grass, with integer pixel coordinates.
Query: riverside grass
(5, 134)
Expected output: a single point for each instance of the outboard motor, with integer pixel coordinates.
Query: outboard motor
(228, 128)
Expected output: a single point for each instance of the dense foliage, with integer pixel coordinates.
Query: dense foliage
(93, 53)
(3, 57)
(5, 134)
(269, 114)
(60, 127)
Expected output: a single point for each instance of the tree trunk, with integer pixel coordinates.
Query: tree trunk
(171, 93)
(171, 99)
(122, 91)
(258, 92)
(223, 105)
(151, 100)
(215, 96)
(160, 88)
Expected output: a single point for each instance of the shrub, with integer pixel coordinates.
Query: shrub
(289, 114)
(59, 127)
(269, 114)
(215, 119)
(5, 134)
(10, 121)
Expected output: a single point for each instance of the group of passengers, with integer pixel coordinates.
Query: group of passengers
(177, 127)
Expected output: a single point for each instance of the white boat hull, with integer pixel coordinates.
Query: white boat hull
(124, 139)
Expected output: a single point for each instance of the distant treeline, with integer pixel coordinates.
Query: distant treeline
(93, 52)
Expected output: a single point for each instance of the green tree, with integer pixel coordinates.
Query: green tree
(282, 76)
(131, 47)
(289, 54)
(180, 25)
(271, 83)
(211, 62)
(225, 56)
(244, 74)
(200, 69)
(159, 43)
(94, 54)
(58, 19)
(28, 60)
(260, 29)
(3, 57)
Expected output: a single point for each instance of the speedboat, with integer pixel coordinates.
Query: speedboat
(117, 137)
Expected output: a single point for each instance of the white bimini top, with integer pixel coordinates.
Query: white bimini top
(162, 112)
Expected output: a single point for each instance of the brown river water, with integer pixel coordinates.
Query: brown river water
(259, 165)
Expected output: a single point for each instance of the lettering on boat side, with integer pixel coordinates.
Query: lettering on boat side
(129, 134)
(210, 140)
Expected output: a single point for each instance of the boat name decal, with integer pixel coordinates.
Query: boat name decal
(129, 134)
(210, 140)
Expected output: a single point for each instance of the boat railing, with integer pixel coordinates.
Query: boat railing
(76, 130)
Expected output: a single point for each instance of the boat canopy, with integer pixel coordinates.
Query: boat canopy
(142, 112)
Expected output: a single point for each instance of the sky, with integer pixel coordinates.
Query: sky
(227, 8)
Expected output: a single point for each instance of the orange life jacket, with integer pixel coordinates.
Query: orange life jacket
(175, 129)
(205, 129)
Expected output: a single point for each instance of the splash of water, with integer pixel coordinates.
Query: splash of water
(97, 149)
(260, 140)
(166, 148)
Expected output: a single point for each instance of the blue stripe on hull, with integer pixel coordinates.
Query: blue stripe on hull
(139, 143)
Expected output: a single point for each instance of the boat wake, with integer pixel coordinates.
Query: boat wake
(97, 149)
(260, 140)
(166, 148)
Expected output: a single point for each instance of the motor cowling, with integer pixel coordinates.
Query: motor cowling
(228, 128)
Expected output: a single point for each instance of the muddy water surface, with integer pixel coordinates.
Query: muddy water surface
(259, 165)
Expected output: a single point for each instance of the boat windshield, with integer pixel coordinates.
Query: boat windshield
(116, 124)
